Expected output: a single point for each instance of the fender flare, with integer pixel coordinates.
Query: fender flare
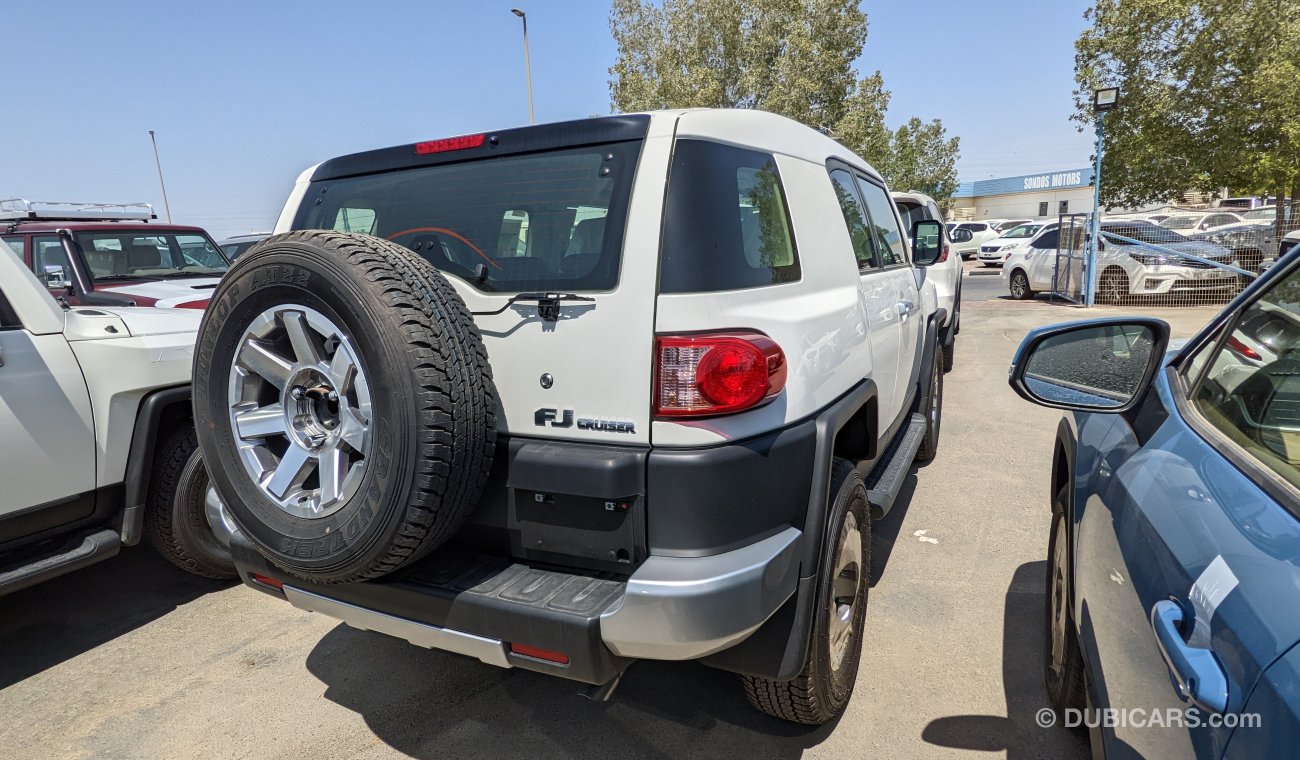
(139, 463)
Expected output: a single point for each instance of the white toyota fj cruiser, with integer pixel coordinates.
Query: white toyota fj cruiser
(581, 394)
(97, 443)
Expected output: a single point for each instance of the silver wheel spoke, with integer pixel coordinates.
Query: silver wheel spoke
(261, 422)
(259, 360)
(301, 338)
(332, 472)
(291, 471)
(353, 429)
(341, 370)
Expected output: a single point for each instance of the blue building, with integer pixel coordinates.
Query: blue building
(1028, 196)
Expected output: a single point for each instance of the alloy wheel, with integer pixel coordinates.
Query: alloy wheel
(300, 410)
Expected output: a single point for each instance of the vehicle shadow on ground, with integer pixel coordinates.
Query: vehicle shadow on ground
(59, 619)
(428, 703)
(1018, 734)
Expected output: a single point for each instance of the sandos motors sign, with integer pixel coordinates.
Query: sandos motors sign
(1053, 181)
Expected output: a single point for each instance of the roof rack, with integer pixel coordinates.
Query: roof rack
(21, 209)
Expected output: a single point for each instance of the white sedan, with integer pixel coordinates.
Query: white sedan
(994, 252)
(1201, 221)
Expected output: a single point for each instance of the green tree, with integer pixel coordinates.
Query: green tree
(791, 57)
(1209, 96)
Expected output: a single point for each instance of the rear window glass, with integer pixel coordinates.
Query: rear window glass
(726, 226)
(973, 227)
(538, 221)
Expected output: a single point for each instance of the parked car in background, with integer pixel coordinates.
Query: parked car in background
(1199, 221)
(980, 232)
(1173, 573)
(1252, 242)
(994, 252)
(1289, 243)
(96, 254)
(1124, 269)
(1004, 225)
(234, 245)
(1246, 202)
(946, 272)
(97, 444)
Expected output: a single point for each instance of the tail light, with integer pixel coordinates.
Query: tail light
(716, 373)
(464, 142)
(1241, 349)
(943, 256)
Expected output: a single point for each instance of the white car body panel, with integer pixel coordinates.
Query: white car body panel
(167, 293)
(71, 384)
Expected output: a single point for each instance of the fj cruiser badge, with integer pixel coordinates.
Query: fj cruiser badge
(547, 417)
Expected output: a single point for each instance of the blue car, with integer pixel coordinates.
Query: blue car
(1173, 573)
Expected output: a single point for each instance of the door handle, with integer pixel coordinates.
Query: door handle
(1196, 672)
(905, 308)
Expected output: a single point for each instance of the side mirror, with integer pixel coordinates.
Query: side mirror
(927, 242)
(1099, 365)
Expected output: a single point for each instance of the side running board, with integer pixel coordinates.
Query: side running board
(886, 479)
(92, 548)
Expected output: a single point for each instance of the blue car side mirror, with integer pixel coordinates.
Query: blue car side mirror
(1097, 365)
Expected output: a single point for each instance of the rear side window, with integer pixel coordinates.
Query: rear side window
(551, 220)
(973, 227)
(726, 225)
(855, 216)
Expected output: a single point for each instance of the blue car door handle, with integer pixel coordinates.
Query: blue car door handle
(1196, 672)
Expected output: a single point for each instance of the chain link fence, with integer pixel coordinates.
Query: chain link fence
(1179, 257)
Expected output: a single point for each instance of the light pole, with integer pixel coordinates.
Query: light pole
(1103, 100)
(528, 66)
(158, 163)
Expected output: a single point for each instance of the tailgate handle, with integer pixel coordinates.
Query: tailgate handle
(1196, 672)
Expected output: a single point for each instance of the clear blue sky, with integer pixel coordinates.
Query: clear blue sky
(244, 95)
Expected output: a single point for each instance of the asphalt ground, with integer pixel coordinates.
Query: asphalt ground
(134, 658)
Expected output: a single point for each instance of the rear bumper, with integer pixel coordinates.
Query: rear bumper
(671, 608)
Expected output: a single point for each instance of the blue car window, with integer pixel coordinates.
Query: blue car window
(1251, 392)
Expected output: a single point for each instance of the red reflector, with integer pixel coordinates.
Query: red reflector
(265, 581)
(193, 304)
(700, 375)
(539, 653)
(449, 143)
(1237, 347)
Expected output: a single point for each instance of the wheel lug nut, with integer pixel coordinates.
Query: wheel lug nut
(296, 393)
(334, 395)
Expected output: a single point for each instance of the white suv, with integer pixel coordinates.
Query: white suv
(581, 394)
(946, 272)
(97, 444)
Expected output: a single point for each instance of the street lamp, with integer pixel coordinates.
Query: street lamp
(158, 163)
(1103, 100)
(528, 66)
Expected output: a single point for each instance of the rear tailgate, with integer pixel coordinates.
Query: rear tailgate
(564, 209)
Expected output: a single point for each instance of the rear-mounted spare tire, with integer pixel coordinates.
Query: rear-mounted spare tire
(344, 404)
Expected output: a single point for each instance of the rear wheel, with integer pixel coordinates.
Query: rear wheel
(344, 404)
(823, 686)
(176, 522)
(1019, 286)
